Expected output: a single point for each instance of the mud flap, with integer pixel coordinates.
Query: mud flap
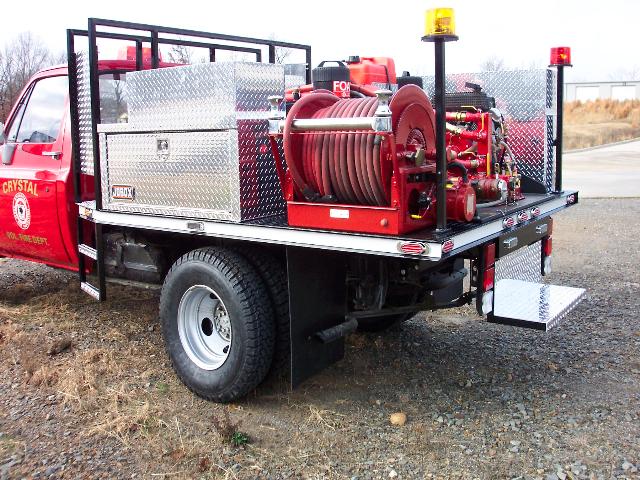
(317, 302)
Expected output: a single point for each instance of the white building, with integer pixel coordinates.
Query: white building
(584, 91)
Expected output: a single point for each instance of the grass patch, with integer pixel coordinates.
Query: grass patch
(598, 122)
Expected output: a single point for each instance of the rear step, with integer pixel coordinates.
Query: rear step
(532, 305)
(96, 254)
(88, 251)
(90, 289)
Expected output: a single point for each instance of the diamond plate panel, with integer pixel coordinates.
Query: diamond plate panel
(194, 177)
(522, 96)
(534, 304)
(550, 124)
(203, 96)
(84, 113)
(260, 191)
(523, 264)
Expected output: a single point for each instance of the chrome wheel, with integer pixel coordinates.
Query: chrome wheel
(204, 327)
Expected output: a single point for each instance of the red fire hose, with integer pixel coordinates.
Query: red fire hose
(346, 166)
(341, 165)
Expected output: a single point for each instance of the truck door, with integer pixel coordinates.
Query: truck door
(30, 171)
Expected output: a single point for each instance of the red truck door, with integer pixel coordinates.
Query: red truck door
(30, 171)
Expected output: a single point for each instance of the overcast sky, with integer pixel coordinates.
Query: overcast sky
(602, 34)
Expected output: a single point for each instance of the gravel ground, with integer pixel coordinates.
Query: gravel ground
(86, 390)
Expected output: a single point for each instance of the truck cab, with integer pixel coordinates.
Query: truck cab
(37, 212)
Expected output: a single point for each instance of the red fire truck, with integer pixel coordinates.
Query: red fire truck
(283, 207)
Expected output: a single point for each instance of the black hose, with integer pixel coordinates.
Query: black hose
(465, 175)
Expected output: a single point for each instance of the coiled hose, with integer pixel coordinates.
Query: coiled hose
(335, 165)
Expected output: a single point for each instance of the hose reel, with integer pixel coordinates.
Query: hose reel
(372, 157)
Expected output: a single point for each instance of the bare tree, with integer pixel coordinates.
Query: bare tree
(631, 73)
(492, 64)
(19, 60)
(282, 53)
(180, 54)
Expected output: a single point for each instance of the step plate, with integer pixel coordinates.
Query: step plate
(88, 251)
(533, 305)
(90, 289)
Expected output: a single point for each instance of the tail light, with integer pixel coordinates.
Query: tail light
(489, 255)
(412, 248)
(488, 261)
(523, 217)
(488, 278)
(547, 250)
(508, 222)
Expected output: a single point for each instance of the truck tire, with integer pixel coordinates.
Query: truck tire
(217, 323)
(274, 276)
(378, 324)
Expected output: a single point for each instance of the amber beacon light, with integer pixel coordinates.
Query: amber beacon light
(439, 28)
(440, 23)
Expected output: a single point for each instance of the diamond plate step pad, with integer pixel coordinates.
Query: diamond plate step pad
(533, 305)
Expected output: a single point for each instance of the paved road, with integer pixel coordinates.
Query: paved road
(604, 172)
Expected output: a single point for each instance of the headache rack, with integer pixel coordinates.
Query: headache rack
(541, 183)
(85, 109)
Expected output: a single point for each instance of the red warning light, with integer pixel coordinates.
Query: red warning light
(560, 56)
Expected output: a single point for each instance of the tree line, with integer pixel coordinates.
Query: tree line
(20, 58)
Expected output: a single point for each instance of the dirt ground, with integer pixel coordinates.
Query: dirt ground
(86, 390)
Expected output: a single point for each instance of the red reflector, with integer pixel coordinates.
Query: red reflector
(489, 254)
(508, 222)
(447, 246)
(560, 56)
(523, 216)
(412, 248)
(547, 246)
(535, 211)
(263, 149)
(489, 278)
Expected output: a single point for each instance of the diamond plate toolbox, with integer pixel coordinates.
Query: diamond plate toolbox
(195, 145)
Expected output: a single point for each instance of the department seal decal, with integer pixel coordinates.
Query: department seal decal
(21, 211)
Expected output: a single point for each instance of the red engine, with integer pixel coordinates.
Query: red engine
(367, 163)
